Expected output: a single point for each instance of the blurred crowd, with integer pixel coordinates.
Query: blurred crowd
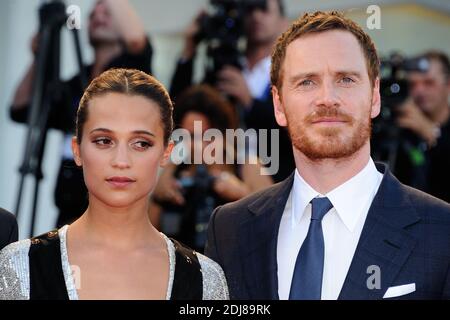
(412, 134)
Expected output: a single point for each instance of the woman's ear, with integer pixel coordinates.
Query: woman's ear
(76, 151)
(166, 155)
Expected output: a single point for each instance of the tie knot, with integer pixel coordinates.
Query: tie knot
(320, 206)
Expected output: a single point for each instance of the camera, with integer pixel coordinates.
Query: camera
(222, 31)
(189, 223)
(386, 135)
(394, 86)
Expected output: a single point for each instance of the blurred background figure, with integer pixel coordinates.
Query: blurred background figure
(118, 39)
(187, 194)
(427, 116)
(412, 133)
(243, 75)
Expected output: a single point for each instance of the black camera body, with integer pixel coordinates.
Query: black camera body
(387, 137)
(222, 31)
(188, 223)
(394, 86)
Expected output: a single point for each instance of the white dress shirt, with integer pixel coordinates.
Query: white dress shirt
(341, 226)
(257, 78)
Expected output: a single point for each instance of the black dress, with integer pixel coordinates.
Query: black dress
(38, 269)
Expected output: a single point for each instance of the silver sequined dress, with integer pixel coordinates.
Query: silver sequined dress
(15, 273)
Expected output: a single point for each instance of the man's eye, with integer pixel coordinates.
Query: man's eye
(306, 83)
(347, 80)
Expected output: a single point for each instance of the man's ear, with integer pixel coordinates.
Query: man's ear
(76, 151)
(278, 107)
(376, 99)
(166, 155)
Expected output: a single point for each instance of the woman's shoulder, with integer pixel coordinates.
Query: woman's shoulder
(14, 251)
(203, 274)
(214, 281)
(14, 269)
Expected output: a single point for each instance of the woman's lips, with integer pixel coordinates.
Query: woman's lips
(120, 181)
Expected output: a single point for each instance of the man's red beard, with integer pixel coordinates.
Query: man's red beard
(331, 142)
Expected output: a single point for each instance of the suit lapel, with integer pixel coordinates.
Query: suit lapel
(258, 236)
(384, 244)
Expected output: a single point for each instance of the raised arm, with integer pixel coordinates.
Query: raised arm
(22, 96)
(129, 25)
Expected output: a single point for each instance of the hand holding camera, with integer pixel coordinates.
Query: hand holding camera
(412, 118)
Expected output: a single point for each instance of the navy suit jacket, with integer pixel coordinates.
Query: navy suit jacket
(8, 228)
(406, 234)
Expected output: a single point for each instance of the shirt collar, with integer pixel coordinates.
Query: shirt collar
(349, 199)
(263, 65)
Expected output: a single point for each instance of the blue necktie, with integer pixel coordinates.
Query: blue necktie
(307, 280)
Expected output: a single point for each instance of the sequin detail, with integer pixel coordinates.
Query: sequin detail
(66, 267)
(15, 271)
(214, 282)
(172, 259)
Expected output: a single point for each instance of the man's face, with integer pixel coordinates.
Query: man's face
(263, 26)
(326, 99)
(101, 28)
(430, 90)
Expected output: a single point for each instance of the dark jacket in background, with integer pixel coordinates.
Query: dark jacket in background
(8, 228)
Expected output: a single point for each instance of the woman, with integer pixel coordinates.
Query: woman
(186, 194)
(123, 129)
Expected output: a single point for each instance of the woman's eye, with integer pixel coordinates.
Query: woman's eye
(143, 145)
(102, 141)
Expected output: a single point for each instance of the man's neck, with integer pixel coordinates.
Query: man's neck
(327, 174)
(103, 55)
(256, 52)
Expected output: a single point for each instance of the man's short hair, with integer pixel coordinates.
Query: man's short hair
(441, 57)
(320, 22)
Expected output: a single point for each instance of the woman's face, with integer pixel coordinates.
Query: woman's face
(121, 148)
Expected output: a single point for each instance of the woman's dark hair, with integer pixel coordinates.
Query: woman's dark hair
(209, 102)
(130, 82)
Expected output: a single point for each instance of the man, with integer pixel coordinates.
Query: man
(118, 38)
(8, 228)
(427, 116)
(340, 227)
(250, 87)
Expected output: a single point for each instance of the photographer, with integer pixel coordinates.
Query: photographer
(186, 194)
(118, 38)
(248, 87)
(426, 114)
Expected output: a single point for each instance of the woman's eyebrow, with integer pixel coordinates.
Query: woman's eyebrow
(145, 132)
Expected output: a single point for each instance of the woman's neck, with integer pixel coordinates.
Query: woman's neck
(125, 227)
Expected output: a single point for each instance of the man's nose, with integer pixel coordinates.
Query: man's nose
(328, 95)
